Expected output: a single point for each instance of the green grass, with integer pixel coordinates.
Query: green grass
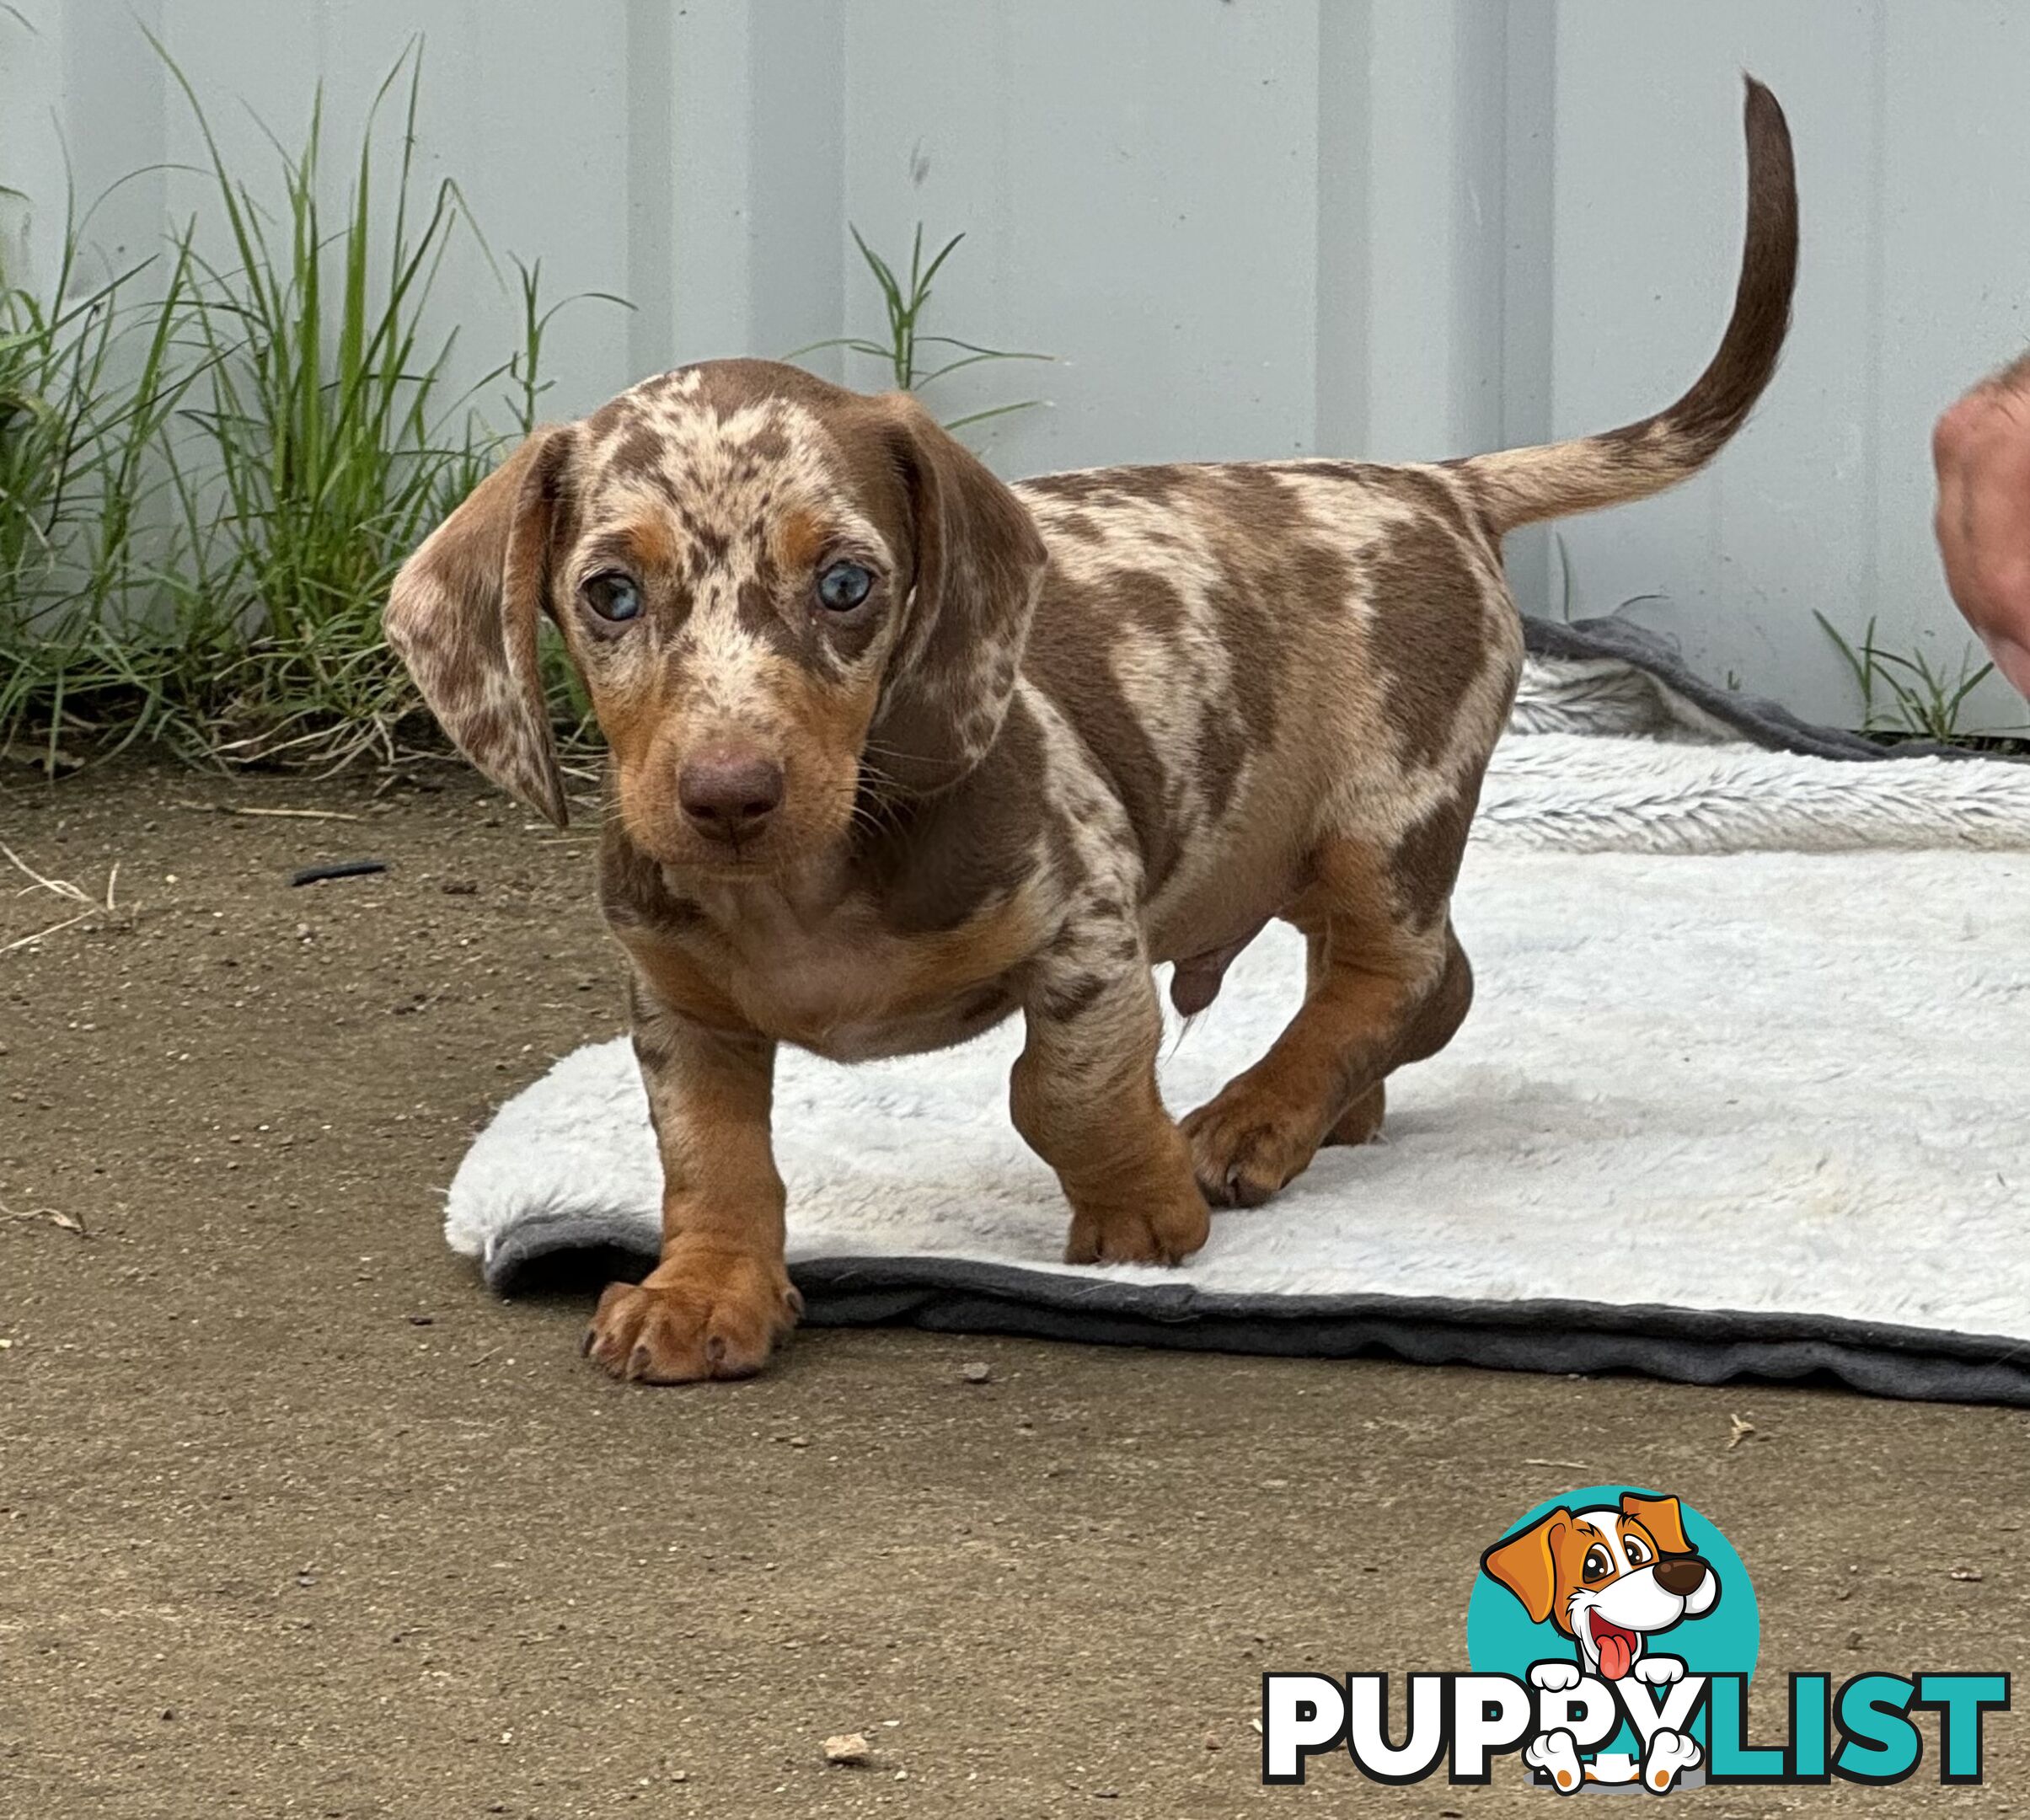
(903, 351)
(212, 467)
(90, 378)
(321, 437)
(1906, 696)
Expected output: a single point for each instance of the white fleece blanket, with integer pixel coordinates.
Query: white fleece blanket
(1699, 1075)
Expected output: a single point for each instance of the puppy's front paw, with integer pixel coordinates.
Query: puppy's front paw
(1246, 1144)
(704, 1314)
(1554, 1677)
(1659, 1671)
(1164, 1226)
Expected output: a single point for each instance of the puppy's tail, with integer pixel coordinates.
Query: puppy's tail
(1520, 486)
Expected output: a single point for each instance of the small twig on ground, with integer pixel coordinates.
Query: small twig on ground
(59, 888)
(1739, 1429)
(48, 1215)
(337, 868)
(300, 815)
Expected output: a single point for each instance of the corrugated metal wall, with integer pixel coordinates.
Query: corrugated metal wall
(1395, 227)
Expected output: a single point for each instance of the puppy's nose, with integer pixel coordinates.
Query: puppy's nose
(1681, 1574)
(728, 794)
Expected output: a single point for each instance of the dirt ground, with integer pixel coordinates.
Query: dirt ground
(295, 1518)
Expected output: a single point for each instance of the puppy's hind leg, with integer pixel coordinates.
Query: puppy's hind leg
(1388, 983)
(1433, 1026)
(1361, 1122)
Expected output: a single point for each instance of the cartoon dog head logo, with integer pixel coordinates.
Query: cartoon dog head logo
(1609, 1576)
(1616, 1605)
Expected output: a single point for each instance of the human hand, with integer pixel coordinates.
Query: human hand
(1981, 449)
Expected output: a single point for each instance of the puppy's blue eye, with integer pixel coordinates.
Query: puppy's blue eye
(613, 597)
(843, 587)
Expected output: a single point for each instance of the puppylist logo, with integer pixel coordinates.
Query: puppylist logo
(1612, 1634)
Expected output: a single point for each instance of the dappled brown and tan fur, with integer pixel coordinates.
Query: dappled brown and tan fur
(898, 751)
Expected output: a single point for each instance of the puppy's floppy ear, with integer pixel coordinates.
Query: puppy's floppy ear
(1525, 1564)
(1662, 1516)
(978, 564)
(462, 616)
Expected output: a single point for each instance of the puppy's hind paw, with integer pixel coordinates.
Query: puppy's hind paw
(1557, 1754)
(1246, 1144)
(1669, 1755)
(1361, 1122)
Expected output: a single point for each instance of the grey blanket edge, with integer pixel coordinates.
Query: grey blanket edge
(1686, 1345)
(1768, 723)
(568, 1250)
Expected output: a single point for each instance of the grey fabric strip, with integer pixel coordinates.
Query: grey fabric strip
(1768, 723)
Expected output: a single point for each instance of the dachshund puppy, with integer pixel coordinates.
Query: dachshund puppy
(898, 751)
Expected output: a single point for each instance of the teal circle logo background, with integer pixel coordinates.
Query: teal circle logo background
(1501, 1640)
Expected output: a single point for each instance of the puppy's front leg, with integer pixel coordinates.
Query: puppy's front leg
(1083, 1096)
(720, 1298)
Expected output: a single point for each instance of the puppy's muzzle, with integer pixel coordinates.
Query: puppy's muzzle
(728, 793)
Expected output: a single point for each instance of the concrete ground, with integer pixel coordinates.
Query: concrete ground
(296, 1519)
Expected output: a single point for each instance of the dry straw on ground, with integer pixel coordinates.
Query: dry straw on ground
(64, 890)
